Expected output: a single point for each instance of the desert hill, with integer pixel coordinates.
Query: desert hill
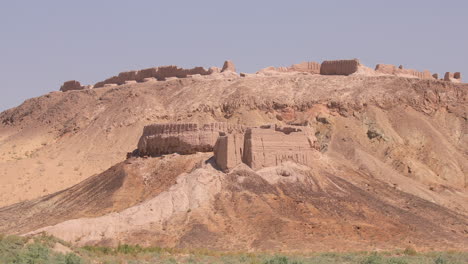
(390, 167)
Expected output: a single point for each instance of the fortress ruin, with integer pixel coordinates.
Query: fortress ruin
(328, 67)
(257, 147)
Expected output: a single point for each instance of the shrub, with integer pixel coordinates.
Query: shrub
(33, 254)
(440, 260)
(280, 260)
(397, 261)
(410, 251)
(374, 258)
(99, 250)
(129, 249)
(72, 258)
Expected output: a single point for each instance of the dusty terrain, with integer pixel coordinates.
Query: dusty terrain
(391, 170)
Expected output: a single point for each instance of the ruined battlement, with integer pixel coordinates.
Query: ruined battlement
(271, 146)
(159, 73)
(185, 138)
(232, 144)
(339, 67)
(452, 77)
(71, 85)
(327, 67)
(393, 70)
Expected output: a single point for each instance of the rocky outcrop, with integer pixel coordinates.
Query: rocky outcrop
(452, 77)
(185, 138)
(159, 73)
(71, 85)
(228, 66)
(339, 67)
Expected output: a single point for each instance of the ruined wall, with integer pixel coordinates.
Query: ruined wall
(271, 146)
(386, 68)
(392, 69)
(228, 150)
(452, 77)
(71, 85)
(307, 66)
(232, 144)
(185, 138)
(160, 73)
(228, 66)
(339, 67)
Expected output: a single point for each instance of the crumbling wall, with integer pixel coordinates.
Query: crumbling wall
(452, 77)
(339, 67)
(187, 138)
(71, 85)
(232, 144)
(392, 69)
(271, 146)
(386, 69)
(160, 73)
(228, 66)
(228, 150)
(307, 66)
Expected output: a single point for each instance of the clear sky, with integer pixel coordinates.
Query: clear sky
(44, 43)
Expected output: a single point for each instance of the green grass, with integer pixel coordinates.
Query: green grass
(39, 250)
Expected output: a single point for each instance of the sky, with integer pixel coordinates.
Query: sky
(44, 43)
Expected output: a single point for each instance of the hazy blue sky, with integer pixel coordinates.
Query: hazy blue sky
(44, 43)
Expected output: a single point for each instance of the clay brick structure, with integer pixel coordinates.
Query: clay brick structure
(228, 66)
(229, 150)
(400, 71)
(272, 145)
(159, 73)
(452, 77)
(185, 138)
(306, 66)
(386, 69)
(339, 67)
(71, 85)
(232, 144)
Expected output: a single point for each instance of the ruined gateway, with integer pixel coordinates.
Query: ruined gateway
(257, 147)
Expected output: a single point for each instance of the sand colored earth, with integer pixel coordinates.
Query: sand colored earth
(389, 165)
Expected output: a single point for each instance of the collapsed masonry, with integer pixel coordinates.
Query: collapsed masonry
(232, 144)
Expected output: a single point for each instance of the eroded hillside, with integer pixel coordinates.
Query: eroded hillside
(53, 142)
(389, 165)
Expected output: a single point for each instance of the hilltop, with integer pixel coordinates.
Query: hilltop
(389, 164)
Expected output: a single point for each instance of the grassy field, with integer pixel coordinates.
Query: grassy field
(49, 250)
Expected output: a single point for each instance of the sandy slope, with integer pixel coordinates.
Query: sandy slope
(54, 141)
(392, 169)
